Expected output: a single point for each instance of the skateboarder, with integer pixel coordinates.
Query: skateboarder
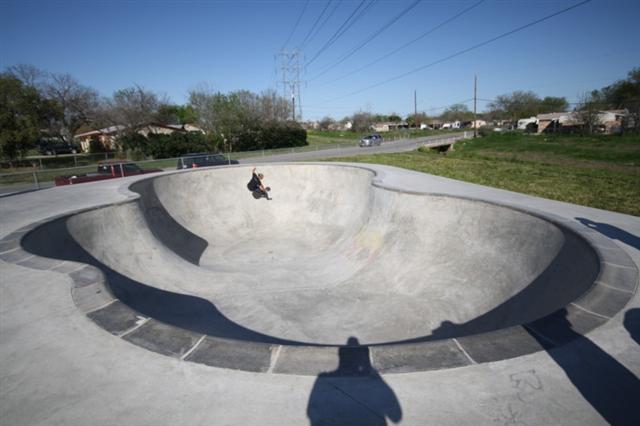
(256, 187)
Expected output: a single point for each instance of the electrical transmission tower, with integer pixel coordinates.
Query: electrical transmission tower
(289, 68)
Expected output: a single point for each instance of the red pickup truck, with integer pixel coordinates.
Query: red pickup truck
(106, 170)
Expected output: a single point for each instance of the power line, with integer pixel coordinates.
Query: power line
(409, 43)
(342, 29)
(295, 27)
(313, 27)
(369, 38)
(321, 26)
(461, 52)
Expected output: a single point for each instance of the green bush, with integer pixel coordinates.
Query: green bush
(485, 131)
(271, 135)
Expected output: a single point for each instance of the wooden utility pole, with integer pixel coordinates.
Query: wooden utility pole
(475, 118)
(415, 108)
(293, 106)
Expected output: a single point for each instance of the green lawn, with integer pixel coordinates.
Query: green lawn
(597, 171)
(334, 136)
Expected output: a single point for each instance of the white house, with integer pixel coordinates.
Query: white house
(524, 122)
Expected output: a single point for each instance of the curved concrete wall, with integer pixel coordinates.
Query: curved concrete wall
(333, 256)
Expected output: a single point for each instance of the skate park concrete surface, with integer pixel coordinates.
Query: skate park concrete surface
(361, 294)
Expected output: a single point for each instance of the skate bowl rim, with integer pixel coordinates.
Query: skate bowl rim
(614, 286)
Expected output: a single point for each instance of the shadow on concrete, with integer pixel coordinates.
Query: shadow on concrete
(165, 228)
(612, 232)
(632, 323)
(354, 393)
(605, 383)
(53, 240)
(540, 298)
(575, 263)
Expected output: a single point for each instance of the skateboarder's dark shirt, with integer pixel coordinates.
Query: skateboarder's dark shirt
(254, 183)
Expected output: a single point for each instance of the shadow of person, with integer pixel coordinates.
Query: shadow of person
(354, 393)
(632, 323)
(607, 385)
(612, 232)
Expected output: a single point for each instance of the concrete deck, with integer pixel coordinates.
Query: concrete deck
(58, 367)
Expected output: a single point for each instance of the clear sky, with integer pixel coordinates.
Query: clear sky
(172, 46)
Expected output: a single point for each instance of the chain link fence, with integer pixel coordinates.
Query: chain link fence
(39, 172)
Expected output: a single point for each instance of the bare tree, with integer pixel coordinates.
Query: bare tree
(28, 74)
(201, 99)
(361, 121)
(274, 107)
(326, 123)
(588, 110)
(79, 104)
(133, 107)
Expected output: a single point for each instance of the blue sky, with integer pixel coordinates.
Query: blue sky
(173, 46)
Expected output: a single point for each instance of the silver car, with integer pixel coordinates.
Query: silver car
(371, 140)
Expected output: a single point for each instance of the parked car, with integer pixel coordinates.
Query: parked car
(54, 146)
(371, 140)
(203, 159)
(106, 170)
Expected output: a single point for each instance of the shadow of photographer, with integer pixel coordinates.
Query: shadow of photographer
(354, 393)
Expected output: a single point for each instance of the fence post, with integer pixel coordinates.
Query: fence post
(41, 166)
(35, 179)
(121, 170)
(75, 160)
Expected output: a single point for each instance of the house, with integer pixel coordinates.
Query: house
(108, 136)
(609, 121)
(524, 122)
(432, 123)
(474, 124)
(452, 125)
(388, 126)
(167, 129)
(553, 121)
(613, 121)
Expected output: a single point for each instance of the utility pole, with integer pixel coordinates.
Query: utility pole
(475, 118)
(415, 109)
(290, 71)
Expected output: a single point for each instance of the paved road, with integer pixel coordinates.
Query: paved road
(401, 145)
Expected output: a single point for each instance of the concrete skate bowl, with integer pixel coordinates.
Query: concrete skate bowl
(198, 269)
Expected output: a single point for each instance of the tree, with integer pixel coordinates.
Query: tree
(326, 123)
(131, 108)
(516, 105)
(415, 120)
(28, 74)
(552, 104)
(23, 112)
(78, 104)
(274, 107)
(625, 94)
(458, 112)
(168, 114)
(588, 109)
(361, 121)
(394, 118)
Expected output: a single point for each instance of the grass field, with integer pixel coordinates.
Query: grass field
(334, 136)
(597, 171)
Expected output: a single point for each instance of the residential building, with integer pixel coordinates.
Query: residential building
(108, 136)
